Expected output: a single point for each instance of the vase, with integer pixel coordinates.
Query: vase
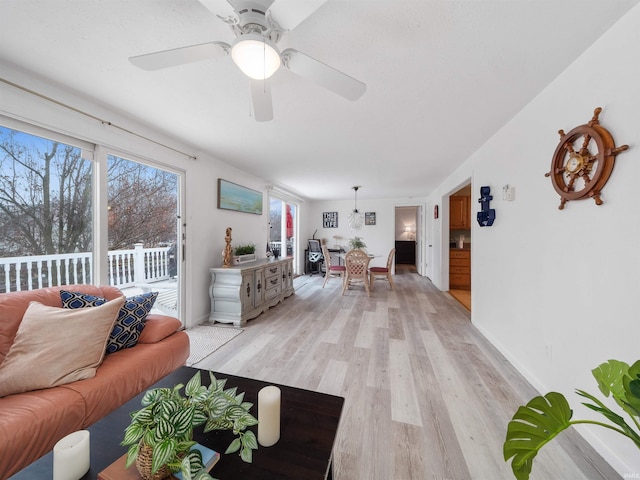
(144, 463)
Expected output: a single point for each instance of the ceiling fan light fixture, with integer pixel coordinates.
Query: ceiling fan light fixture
(257, 56)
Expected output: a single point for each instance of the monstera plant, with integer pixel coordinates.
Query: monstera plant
(544, 417)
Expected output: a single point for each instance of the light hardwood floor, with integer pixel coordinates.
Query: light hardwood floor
(463, 296)
(426, 395)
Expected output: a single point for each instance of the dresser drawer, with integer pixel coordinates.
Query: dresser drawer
(459, 281)
(273, 271)
(272, 282)
(272, 291)
(460, 262)
(459, 253)
(459, 270)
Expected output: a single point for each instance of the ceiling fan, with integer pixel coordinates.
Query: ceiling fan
(258, 26)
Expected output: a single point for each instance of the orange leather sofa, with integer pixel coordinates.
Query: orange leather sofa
(32, 422)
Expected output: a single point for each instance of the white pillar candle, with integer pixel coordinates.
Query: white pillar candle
(268, 416)
(71, 457)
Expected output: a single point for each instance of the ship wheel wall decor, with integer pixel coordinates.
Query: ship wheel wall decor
(583, 161)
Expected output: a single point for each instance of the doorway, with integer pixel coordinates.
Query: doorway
(460, 246)
(407, 238)
(282, 228)
(145, 232)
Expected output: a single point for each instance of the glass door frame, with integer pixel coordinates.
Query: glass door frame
(286, 200)
(101, 228)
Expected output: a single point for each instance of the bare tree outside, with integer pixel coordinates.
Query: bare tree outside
(275, 219)
(142, 205)
(46, 199)
(45, 196)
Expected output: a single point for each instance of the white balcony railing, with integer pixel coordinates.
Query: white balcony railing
(126, 268)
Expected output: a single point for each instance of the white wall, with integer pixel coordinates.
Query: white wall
(379, 238)
(406, 216)
(556, 291)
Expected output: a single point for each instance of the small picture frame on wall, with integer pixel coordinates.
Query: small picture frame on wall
(370, 218)
(330, 219)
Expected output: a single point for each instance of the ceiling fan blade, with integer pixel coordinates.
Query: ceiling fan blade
(180, 56)
(220, 8)
(261, 98)
(288, 14)
(323, 74)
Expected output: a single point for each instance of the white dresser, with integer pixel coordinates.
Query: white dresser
(243, 292)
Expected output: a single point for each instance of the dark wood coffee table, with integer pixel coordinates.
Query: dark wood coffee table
(309, 422)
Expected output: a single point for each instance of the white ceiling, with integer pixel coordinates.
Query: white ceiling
(442, 77)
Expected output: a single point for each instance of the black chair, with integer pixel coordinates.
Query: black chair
(314, 257)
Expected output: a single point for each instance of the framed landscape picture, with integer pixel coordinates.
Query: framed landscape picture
(370, 218)
(236, 197)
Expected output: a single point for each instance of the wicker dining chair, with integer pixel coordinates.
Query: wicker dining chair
(357, 269)
(383, 273)
(331, 270)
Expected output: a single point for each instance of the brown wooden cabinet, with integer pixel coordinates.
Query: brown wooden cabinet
(460, 269)
(459, 212)
(406, 252)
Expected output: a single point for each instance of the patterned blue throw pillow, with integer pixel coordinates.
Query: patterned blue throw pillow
(80, 300)
(130, 322)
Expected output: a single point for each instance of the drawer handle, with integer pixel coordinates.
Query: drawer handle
(259, 286)
(273, 269)
(274, 281)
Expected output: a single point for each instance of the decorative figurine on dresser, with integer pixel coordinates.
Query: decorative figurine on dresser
(241, 292)
(227, 249)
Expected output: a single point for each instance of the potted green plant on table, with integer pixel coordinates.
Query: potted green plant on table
(160, 435)
(357, 242)
(245, 252)
(544, 417)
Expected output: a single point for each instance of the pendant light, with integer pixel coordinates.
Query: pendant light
(356, 219)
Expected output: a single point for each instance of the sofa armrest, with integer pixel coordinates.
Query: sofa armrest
(157, 327)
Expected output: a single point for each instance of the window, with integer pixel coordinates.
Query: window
(142, 204)
(46, 220)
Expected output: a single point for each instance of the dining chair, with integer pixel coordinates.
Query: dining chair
(331, 270)
(356, 263)
(383, 273)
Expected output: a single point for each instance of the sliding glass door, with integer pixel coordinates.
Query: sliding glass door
(282, 221)
(145, 252)
(48, 199)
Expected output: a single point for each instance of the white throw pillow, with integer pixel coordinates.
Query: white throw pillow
(54, 346)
